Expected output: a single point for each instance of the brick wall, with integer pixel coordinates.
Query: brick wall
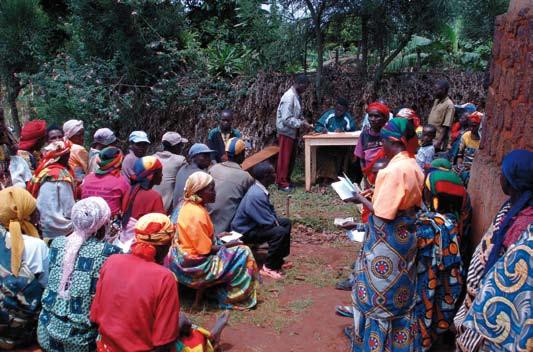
(509, 110)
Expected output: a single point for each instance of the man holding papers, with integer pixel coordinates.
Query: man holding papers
(256, 219)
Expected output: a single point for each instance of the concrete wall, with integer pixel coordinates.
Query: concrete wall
(509, 110)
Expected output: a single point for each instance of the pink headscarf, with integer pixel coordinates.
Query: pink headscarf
(88, 216)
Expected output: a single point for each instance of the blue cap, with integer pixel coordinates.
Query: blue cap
(199, 148)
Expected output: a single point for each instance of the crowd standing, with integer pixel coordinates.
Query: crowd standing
(94, 242)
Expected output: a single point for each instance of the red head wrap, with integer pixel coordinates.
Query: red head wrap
(382, 108)
(31, 132)
(475, 117)
(409, 114)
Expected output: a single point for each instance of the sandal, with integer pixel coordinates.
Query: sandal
(344, 311)
(273, 274)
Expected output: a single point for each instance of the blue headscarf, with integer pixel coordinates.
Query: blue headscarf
(517, 168)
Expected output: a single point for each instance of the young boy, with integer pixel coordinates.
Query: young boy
(426, 152)
(196, 339)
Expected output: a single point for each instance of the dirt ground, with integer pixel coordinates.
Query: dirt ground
(298, 315)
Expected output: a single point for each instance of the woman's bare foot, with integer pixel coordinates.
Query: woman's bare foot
(273, 274)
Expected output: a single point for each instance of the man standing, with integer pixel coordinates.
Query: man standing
(441, 115)
(172, 162)
(256, 219)
(288, 121)
(219, 136)
(199, 160)
(231, 183)
(139, 144)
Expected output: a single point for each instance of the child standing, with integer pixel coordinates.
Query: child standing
(426, 152)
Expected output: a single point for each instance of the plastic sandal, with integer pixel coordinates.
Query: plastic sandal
(273, 274)
(344, 311)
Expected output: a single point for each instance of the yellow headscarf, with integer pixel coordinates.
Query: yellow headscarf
(16, 207)
(195, 183)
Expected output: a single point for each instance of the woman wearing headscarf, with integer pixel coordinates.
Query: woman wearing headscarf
(141, 199)
(439, 262)
(509, 223)
(75, 264)
(468, 147)
(198, 258)
(79, 157)
(136, 306)
(32, 138)
(501, 313)
(53, 185)
(106, 181)
(384, 293)
(23, 268)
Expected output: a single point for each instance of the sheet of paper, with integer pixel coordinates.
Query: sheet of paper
(234, 236)
(356, 236)
(342, 189)
(341, 221)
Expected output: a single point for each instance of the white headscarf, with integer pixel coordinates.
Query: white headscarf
(71, 127)
(88, 216)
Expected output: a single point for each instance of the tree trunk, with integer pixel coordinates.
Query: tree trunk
(383, 65)
(364, 46)
(13, 90)
(320, 54)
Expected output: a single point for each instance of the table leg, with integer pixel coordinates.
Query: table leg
(313, 165)
(307, 150)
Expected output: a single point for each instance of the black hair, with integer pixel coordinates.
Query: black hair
(259, 171)
(443, 83)
(302, 79)
(54, 128)
(343, 102)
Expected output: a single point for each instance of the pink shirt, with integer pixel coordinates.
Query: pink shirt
(110, 187)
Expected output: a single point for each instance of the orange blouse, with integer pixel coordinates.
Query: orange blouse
(195, 229)
(398, 187)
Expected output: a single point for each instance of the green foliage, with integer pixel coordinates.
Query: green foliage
(23, 26)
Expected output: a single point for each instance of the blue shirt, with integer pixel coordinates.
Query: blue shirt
(254, 210)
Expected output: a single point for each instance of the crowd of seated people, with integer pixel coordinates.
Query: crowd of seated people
(93, 242)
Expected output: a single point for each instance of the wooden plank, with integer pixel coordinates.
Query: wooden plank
(307, 165)
(260, 156)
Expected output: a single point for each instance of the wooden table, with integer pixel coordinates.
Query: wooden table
(313, 141)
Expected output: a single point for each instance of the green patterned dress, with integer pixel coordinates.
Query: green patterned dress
(64, 324)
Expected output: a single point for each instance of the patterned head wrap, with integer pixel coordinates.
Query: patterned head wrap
(409, 114)
(72, 127)
(145, 168)
(88, 216)
(445, 186)
(16, 207)
(517, 168)
(152, 230)
(475, 117)
(400, 130)
(109, 161)
(382, 108)
(54, 151)
(31, 132)
(234, 147)
(195, 183)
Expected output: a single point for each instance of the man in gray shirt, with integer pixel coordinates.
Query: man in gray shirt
(199, 160)
(231, 183)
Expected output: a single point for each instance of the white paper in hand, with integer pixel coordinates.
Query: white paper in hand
(232, 237)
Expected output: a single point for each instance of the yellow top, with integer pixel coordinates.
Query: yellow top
(195, 229)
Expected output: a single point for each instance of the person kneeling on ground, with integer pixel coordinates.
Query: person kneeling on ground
(198, 258)
(136, 306)
(256, 219)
